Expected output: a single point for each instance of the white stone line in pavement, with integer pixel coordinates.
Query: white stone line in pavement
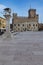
(37, 52)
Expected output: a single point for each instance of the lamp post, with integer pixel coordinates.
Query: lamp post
(7, 15)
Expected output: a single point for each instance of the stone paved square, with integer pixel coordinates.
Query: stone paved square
(25, 48)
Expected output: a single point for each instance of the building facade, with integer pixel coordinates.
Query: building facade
(29, 23)
(40, 26)
(2, 24)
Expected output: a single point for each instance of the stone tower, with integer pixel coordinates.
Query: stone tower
(32, 12)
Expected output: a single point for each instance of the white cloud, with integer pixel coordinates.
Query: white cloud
(2, 6)
(1, 9)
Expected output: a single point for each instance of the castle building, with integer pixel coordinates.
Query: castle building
(29, 23)
(2, 24)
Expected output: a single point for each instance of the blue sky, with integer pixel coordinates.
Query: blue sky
(21, 7)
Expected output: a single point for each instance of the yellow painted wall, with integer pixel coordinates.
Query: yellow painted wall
(2, 23)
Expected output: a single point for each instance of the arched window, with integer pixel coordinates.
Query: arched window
(33, 24)
(36, 24)
(3, 26)
(18, 24)
(14, 24)
(23, 24)
(29, 24)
